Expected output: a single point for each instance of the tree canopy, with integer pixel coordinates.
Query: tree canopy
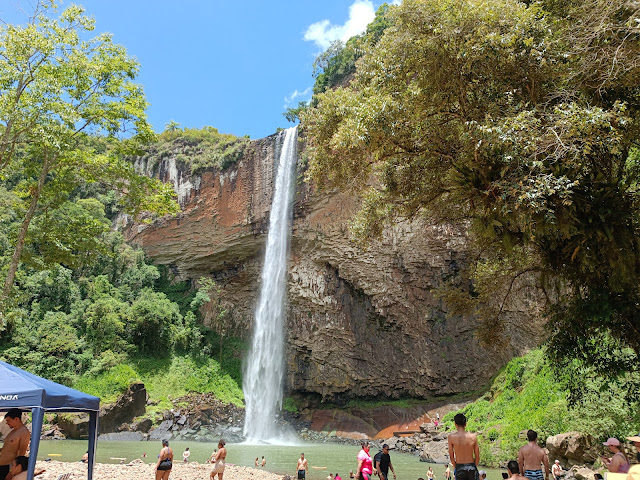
(518, 119)
(57, 87)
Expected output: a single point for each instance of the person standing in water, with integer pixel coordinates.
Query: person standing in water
(185, 455)
(514, 471)
(532, 458)
(218, 459)
(302, 467)
(463, 451)
(263, 462)
(382, 463)
(430, 474)
(365, 464)
(165, 462)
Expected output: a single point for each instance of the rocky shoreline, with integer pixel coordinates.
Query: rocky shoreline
(138, 470)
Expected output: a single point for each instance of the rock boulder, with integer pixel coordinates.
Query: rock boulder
(435, 452)
(572, 448)
(131, 404)
(128, 406)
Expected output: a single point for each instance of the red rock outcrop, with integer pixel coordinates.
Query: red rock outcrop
(360, 323)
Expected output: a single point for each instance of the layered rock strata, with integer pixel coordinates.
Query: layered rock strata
(361, 323)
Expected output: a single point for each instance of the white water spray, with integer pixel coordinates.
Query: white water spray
(264, 370)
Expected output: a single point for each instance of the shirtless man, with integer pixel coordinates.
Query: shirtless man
(514, 471)
(302, 467)
(16, 443)
(531, 458)
(463, 451)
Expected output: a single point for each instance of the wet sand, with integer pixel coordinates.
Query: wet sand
(137, 470)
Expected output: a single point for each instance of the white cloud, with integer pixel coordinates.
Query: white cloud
(361, 13)
(289, 100)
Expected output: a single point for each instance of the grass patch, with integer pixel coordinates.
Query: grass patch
(527, 395)
(108, 385)
(166, 379)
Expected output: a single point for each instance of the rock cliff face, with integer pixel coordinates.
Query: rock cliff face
(360, 323)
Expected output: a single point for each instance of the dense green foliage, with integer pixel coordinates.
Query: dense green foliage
(520, 120)
(107, 318)
(528, 394)
(334, 66)
(80, 306)
(198, 149)
(55, 86)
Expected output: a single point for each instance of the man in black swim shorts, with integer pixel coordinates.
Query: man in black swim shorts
(302, 467)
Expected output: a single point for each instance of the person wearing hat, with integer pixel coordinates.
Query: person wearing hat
(634, 471)
(636, 442)
(618, 463)
(483, 475)
(556, 470)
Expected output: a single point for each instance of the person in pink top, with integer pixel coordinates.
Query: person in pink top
(365, 464)
(619, 462)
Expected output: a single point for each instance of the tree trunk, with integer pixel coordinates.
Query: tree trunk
(17, 252)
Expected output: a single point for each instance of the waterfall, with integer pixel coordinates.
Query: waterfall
(264, 370)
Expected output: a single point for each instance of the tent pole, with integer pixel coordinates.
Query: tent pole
(93, 440)
(37, 415)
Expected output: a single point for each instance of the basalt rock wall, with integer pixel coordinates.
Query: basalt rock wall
(360, 323)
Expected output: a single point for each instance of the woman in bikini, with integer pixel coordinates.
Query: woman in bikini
(165, 462)
(218, 461)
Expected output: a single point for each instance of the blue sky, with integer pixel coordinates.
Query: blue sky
(235, 65)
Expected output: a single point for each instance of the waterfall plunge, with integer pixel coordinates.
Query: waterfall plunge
(264, 370)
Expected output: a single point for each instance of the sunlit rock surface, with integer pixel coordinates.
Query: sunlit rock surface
(360, 323)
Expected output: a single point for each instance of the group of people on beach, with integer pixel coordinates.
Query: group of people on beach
(464, 453)
(380, 464)
(532, 462)
(164, 465)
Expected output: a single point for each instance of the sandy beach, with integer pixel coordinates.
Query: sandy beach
(137, 470)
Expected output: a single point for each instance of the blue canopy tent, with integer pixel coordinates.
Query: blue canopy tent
(24, 390)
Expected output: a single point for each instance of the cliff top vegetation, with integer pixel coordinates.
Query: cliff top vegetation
(197, 149)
